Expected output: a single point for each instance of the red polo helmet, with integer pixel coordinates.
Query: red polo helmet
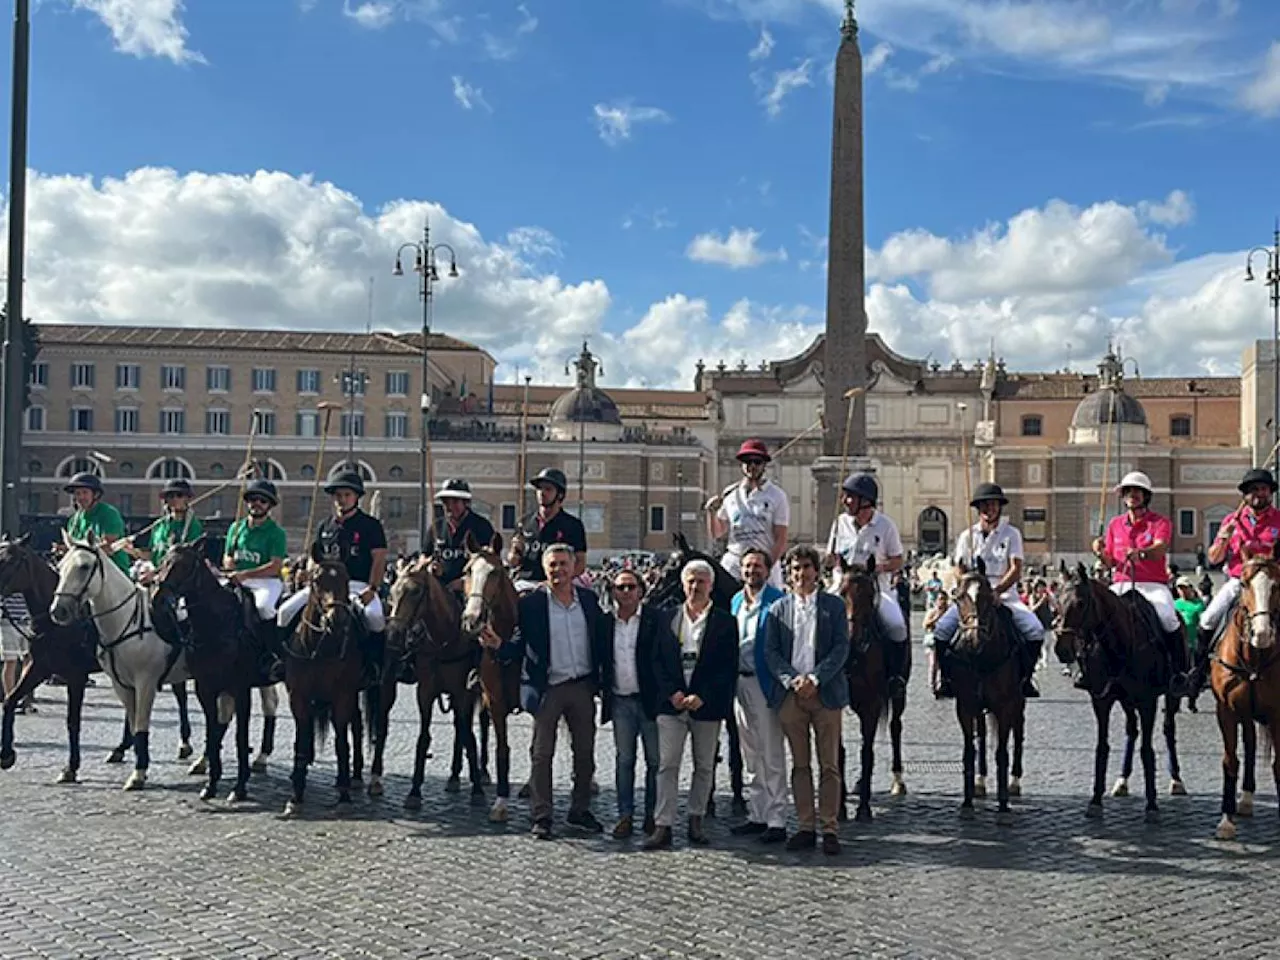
(754, 450)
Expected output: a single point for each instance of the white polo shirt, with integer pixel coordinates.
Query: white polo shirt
(879, 539)
(997, 549)
(753, 514)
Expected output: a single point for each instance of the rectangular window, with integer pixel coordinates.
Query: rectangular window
(217, 422)
(1186, 522)
(126, 420)
(593, 517)
(173, 377)
(218, 379)
(264, 380)
(266, 423)
(353, 424)
(353, 382)
(35, 419)
(397, 426)
(82, 419)
(395, 507)
(124, 503)
(1032, 426)
(1179, 426)
(39, 374)
(33, 503)
(128, 376)
(307, 424)
(82, 376)
(1034, 523)
(509, 516)
(397, 383)
(308, 381)
(657, 518)
(173, 421)
(304, 505)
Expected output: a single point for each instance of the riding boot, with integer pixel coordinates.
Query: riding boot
(271, 657)
(1199, 674)
(942, 653)
(372, 647)
(895, 666)
(1030, 650)
(1176, 650)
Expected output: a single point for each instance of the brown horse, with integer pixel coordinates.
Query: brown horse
(867, 674)
(1246, 684)
(491, 601)
(986, 674)
(324, 670)
(1116, 643)
(423, 618)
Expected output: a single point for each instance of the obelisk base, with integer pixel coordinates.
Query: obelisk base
(828, 477)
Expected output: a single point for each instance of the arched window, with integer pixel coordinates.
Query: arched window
(1033, 425)
(72, 465)
(365, 471)
(272, 470)
(307, 472)
(216, 469)
(170, 468)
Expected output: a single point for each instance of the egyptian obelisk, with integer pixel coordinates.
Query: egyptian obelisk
(844, 361)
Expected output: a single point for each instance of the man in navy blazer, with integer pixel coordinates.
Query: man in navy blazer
(806, 645)
(764, 756)
(562, 641)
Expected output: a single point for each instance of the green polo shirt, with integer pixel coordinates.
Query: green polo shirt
(170, 531)
(250, 547)
(104, 520)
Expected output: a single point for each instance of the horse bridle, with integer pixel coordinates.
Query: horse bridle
(99, 569)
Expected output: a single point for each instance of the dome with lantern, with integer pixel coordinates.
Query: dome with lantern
(1109, 409)
(586, 411)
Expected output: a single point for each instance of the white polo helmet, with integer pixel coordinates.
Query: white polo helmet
(1136, 479)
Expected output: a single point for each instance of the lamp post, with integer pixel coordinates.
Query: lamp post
(1273, 284)
(680, 500)
(425, 261)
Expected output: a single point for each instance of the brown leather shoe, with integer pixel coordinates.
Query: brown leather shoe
(696, 834)
(623, 829)
(830, 844)
(660, 839)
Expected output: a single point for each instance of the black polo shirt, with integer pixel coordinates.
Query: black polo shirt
(350, 540)
(562, 528)
(451, 545)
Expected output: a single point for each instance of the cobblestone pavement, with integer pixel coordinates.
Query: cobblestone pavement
(89, 871)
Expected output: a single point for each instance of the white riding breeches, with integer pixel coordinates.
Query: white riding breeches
(1221, 604)
(266, 595)
(1159, 596)
(1027, 623)
(373, 616)
(890, 616)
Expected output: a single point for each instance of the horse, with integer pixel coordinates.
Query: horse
(324, 674)
(1246, 685)
(986, 674)
(491, 601)
(132, 653)
(423, 620)
(1124, 662)
(222, 656)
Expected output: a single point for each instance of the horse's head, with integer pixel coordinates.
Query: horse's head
(1260, 598)
(486, 583)
(180, 572)
(409, 596)
(81, 578)
(860, 590)
(329, 607)
(17, 565)
(1078, 612)
(976, 602)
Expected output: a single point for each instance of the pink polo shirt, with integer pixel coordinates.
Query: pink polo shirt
(1123, 534)
(1255, 533)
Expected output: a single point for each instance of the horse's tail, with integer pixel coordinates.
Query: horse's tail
(321, 720)
(373, 714)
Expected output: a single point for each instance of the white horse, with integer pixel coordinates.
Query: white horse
(132, 654)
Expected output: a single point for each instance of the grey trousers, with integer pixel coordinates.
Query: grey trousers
(672, 732)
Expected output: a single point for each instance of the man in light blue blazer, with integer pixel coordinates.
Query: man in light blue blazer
(806, 644)
(760, 733)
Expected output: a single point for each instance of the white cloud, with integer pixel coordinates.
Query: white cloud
(528, 22)
(469, 97)
(145, 28)
(1175, 210)
(737, 251)
(1262, 95)
(380, 14)
(877, 58)
(615, 121)
(784, 83)
(371, 14)
(763, 47)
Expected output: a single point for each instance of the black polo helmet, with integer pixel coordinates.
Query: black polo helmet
(862, 485)
(552, 476)
(177, 487)
(84, 481)
(1257, 475)
(262, 488)
(988, 491)
(346, 480)
(454, 489)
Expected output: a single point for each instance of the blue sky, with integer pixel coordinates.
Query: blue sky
(1042, 172)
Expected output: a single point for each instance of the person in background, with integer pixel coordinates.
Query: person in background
(931, 617)
(1190, 606)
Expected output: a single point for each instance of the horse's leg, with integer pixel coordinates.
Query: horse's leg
(357, 742)
(1121, 788)
(32, 677)
(270, 697)
(1004, 724)
(967, 731)
(1147, 717)
(1176, 786)
(1019, 734)
(425, 702)
(1249, 734)
(980, 735)
(385, 703)
(344, 723)
(736, 766)
(143, 700)
(184, 720)
(898, 787)
(1101, 751)
(126, 738)
(464, 730)
(502, 759)
(1227, 725)
(868, 716)
(244, 715)
(213, 732)
(303, 750)
(454, 783)
(486, 720)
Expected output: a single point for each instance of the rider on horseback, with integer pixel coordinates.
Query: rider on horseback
(451, 538)
(255, 550)
(94, 515)
(998, 543)
(754, 512)
(862, 532)
(356, 540)
(1253, 529)
(1134, 549)
(178, 525)
(550, 524)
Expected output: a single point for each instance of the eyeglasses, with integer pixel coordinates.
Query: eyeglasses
(625, 587)
(257, 500)
(753, 463)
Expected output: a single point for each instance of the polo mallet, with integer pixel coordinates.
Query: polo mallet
(816, 425)
(851, 395)
(244, 472)
(968, 482)
(328, 409)
(248, 464)
(1106, 468)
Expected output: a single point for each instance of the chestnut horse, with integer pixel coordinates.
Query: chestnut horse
(1246, 684)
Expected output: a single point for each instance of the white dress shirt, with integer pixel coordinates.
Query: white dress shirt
(804, 652)
(690, 633)
(626, 678)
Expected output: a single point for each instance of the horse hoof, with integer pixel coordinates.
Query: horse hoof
(1121, 788)
(292, 809)
(1226, 829)
(498, 812)
(137, 780)
(898, 788)
(863, 815)
(595, 787)
(1152, 815)
(1177, 788)
(185, 751)
(259, 764)
(115, 756)
(1015, 787)
(980, 787)
(375, 787)
(1245, 807)
(477, 794)
(1004, 818)
(1094, 811)
(524, 792)
(966, 813)
(199, 768)
(67, 776)
(357, 780)
(344, 798)
(413, 802)
(453, 785)
(7, 760)
(238, 795)
(210, 792)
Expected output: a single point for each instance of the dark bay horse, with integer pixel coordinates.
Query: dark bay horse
(1115, 642)
(986, 674)
(867, 675)
(491, 601)
(324, 674)
(1245, 679)
(423, 618)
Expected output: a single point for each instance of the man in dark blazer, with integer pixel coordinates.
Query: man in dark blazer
(562, 641)
(806, 646)
(696, 668)
(630, 700)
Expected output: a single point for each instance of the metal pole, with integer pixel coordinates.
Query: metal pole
(424, 456)
(522, 479)
(680, 500)
(1274, 280)
(12, 354)
(582, 453)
